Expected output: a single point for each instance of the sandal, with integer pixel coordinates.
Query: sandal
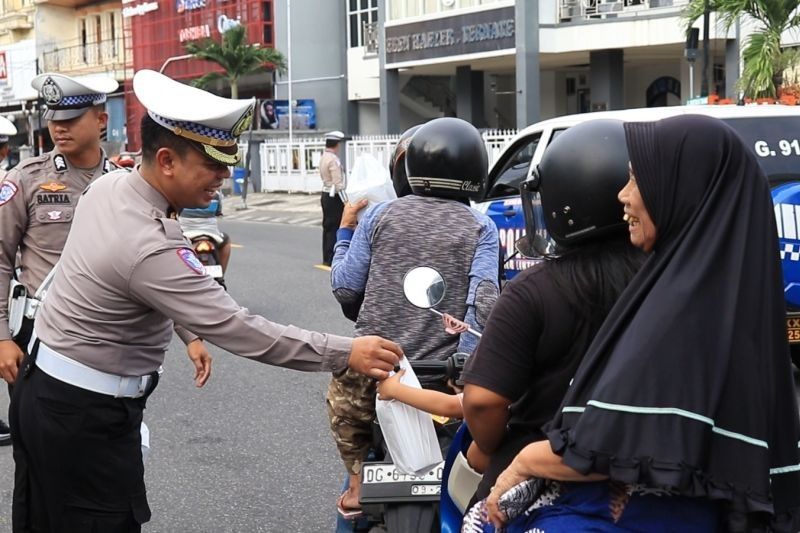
(347, 512)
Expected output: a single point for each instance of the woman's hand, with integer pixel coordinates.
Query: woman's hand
(350, 214)
(387, 387)
(510, 477)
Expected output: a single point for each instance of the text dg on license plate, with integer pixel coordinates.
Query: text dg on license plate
(386, 473)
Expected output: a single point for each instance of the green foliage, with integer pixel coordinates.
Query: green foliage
(236, 56)
(764, 58)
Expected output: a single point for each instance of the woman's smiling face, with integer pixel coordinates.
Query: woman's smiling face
(640, 225)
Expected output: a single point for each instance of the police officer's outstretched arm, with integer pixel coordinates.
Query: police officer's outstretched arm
(13, 224)
(169, 282)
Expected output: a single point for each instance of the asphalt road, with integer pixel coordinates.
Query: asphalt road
(250, 452)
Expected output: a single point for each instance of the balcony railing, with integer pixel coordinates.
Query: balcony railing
(109, 53)
(571, 10)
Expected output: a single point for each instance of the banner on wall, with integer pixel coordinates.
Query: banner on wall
(275, 114)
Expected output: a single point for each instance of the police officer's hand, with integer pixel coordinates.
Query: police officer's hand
(374, 356)
(198, 353)
(350, 214)
(10, 359)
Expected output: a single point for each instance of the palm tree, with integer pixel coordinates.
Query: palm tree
(236, 56)
(764, 58)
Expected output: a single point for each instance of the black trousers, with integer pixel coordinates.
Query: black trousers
(78, 459)
(332, 208)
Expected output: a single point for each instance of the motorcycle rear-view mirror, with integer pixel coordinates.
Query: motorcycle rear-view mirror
(424, 287)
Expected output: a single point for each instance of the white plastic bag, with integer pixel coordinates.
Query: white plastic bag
(408, 432)
(371, 180)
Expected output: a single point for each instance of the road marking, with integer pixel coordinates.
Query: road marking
(326, 268)
(237, 245)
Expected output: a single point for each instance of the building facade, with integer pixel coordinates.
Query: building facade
(506, 63)
(160, 30)
(73, 37)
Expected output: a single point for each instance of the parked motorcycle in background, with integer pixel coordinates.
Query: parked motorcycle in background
(200, 226)
(206, 246)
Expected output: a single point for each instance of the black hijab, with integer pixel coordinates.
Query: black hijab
(688, 384)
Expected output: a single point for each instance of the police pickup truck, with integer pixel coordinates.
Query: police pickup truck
(771, 131)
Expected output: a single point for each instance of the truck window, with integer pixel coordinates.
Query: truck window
(514, 169)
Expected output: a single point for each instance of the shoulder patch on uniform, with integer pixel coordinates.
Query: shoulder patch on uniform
(192, 261)
(7, 191)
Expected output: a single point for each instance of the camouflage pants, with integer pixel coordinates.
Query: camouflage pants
(351, 410)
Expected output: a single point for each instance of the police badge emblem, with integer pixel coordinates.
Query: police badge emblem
(243, 123)
(60, 163)
(51, 92)
(191, 260)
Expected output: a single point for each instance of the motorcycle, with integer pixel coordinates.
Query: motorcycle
(393, 501)
(206, 246)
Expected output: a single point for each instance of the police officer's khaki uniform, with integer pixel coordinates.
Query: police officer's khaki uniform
(37, 203)
(330, 170)
(126, 274)
(129, 272)
(332, 174)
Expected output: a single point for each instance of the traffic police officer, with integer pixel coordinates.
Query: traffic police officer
(333, 182)
(38, 196)
(7, 129)
(125, 275)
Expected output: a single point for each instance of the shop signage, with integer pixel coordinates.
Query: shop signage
(139, 9)
(194, 33)
(189, 5)
(471, 33)
(224, 23)
(3, 67)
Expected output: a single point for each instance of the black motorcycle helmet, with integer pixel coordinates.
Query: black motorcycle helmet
(397, 165)
(572, 196)
(447, 158)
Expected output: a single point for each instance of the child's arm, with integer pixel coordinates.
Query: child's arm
(433, 402)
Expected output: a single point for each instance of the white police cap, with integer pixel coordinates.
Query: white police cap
(334, 136)
(67, 98)
(212, 121)
(7, 129)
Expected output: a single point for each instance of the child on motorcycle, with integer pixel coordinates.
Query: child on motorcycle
(433, 402)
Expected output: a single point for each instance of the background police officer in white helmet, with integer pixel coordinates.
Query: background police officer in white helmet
(125, 275)
(333, 182)
(7, 129)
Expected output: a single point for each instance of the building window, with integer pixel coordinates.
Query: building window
(360, 14)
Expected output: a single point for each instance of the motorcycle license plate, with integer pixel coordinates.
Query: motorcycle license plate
(215, 271)
(386, 473)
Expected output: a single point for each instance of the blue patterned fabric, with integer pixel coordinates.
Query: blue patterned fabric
(199, 129)
(81, 99)
(604, 507)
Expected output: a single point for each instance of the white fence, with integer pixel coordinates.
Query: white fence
(296, 168)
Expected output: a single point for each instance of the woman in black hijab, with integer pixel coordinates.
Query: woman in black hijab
(687, 388)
